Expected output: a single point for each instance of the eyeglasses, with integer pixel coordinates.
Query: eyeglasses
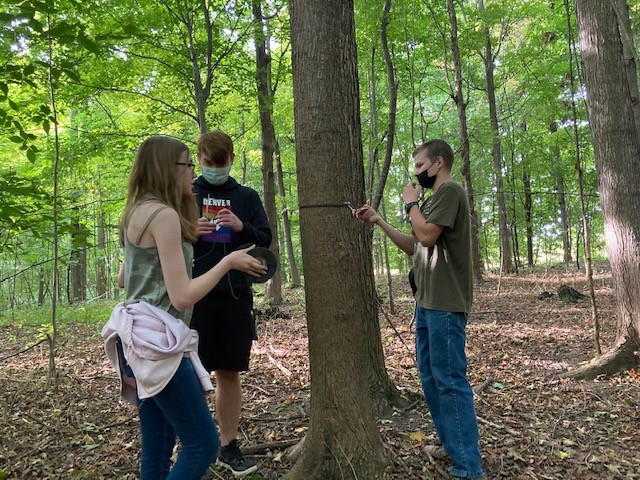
(192, 166)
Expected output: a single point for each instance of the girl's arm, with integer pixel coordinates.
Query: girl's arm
(184, 292)
(121, 276)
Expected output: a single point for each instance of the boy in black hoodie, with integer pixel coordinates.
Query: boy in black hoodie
(231, 215)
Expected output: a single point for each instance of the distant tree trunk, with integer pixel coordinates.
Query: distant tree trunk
(286, 223)
(617, 153)
(392, 308)
(343, 439)
(101, 259)
(505, 241)
(528, 208)
(243, 156)
(41, 287)
(561, 191)
(78, 262)
(465, 151)
(564, 219)
(265, 103)
(392, 85)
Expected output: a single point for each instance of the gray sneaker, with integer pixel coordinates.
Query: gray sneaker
(436, 451)
(231, 457)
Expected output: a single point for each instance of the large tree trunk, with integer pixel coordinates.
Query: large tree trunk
(505, 240)
(616, 151)
(465, 151)
(273, 292)
(343, 440)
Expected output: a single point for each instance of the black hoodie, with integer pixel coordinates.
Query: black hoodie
(245, 203)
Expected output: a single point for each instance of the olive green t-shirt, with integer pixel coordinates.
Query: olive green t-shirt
(443, 271)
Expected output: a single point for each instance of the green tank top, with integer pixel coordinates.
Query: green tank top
(143, 278)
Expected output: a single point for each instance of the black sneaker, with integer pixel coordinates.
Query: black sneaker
(231, 457)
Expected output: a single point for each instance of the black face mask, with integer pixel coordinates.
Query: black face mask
(425, 180)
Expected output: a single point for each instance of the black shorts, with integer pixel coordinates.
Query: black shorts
(226, 328)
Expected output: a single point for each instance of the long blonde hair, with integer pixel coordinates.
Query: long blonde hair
(153, 177)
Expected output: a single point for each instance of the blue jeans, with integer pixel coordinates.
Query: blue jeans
(440, 345)
(179, 409)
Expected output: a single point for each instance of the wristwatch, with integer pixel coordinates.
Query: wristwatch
(409, 206)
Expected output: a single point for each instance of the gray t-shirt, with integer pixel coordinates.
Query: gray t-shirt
(443, 271)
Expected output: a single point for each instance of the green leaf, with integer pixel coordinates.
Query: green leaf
(36, 25)
(88, 44)
(31, 155)
(13, 105)
(16, 139)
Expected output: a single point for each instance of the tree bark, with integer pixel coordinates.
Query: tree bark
(343, 440)
(617, 153)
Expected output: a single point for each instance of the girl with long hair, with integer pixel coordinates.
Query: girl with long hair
(147, 337)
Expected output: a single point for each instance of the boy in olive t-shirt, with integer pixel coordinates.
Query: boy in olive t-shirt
(440, 244)
(444, 270)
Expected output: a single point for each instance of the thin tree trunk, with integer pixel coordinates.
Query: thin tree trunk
(286, 223)
(505, 241)
(273, 292)
(78, 262)
(53, 337)
(465, 150)
(578, 166)
(101, 257)
(561, 190)
(393, 101)
(383, 389)
(528, 208)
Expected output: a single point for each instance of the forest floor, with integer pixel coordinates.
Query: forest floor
(533, 425)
